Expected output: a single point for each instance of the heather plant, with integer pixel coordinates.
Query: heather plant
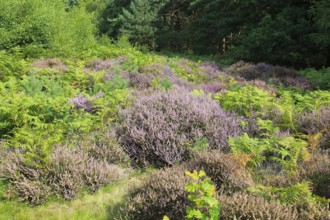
(163, 193)
(244, 205)
(52, 63)
(317, 171)
(225, 170)
(210, 70)
(81, 102)
(71, 170)
(26, 183)
(66, 173)
(298, 82)
(201, 195)
(157, 76)
(211, 87)
(102, 145)
(260, 71)
(316, 124)
(159, 128)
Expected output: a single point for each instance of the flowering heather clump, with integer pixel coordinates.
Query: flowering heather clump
(80, 102)
(242, 205)
(159, 128)
(224, 170)
(298, 82)
(185, 65)
(261, 85)
(70, 170)
(162, 194)
(110, 66)
(260, 71)
(317, 171)
(317, 125)
(53, 63)
(237, 67)
(213, 87)
(157, 71)
(210, 70)
(140, 80)
(26, 183)
(281, 71)
(103, 146)
(106, 65)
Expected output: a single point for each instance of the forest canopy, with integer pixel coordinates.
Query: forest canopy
(293, 33)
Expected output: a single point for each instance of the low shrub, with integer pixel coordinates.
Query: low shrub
(317, 125)
(27, 183)
(298, 82)
(159, 128)
(213, 87)
(162, 194)
(210, 70)
(103, 146)
(107, 65)
(52, 63)
(246, 100)
(261, 71)
(154, 75)
(66, 173)
(225, 170)
(317, 171)
(299, 194)
(81, 102)
(243, 205)
(71, 170)
(320, 79)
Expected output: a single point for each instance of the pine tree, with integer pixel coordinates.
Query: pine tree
(138, 22)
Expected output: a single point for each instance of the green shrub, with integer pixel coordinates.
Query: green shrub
(320, 79)
(36, 25)
(246, 100)
(299, 194)
(273, 145)
(43, 108)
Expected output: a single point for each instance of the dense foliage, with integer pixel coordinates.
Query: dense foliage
(283, 32)
(82, 114)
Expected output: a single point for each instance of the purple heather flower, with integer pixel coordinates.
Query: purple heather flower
(80, 102)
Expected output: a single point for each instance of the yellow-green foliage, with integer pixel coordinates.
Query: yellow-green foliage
(286, 150)
(39, 109)
(246, 100)
(299, 194)
(35, 25)
(202, 196)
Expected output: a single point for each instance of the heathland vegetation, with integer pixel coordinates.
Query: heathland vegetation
(137, 109)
